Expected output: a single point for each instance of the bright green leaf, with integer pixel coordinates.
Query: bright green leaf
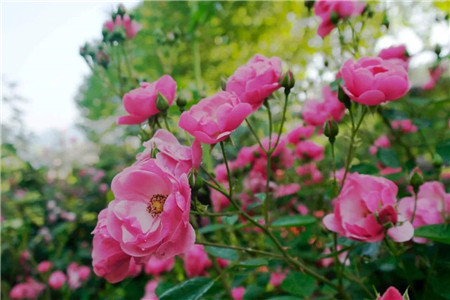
(191, 289)
(299, 284)
(229, 254)
(294, 221)
(437, 233)
(253, 263)
(388, 158)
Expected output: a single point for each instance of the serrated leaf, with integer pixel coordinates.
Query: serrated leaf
(226, 253)
(388, 158)
(294, 221)
(437, 233)
(191, 289)
(299, 284)
(253, 263)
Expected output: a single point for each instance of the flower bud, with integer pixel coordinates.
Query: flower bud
(416, 180)
(181, 102)
(288, 81)
(102, 58)
(437, 50)
(385, 21)
(121, 10)
(334, 17)
(344, 98)
(118, 35)
(223, 83)
(437, 161)
(331, 130)
(309, 4)
(161, 103)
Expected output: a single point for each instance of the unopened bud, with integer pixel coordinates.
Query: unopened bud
(344, 98)
(118, 35)
(161, 103)
(334, 17)
(121, 10)
(102, 58)
(309, 4)
(331, 130)
(288, 81)
(223, 83)
(385, 21)
(416, 180)
(437, 49)
(181, 102)
(437, 161)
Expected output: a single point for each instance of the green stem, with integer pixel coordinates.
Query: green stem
(333, 164)
(414, 209)
(209, 214)
(230, 185)
(254, 134)
(243, 249)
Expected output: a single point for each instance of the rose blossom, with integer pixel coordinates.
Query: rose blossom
(404, 125)
(256, 80)
(238, 293)
(77, 274)
(171, 155)
(150, 289)
(140, 103)
(108, 259)
(433, 206)
(315, 113)
(310, 170)
(324, 8)
(131, 27)
(150, 213)
(381, 142)
(196, 261)
(213, 119)
(309, 150)
(56, 280)
(300, 133)
(372, 80)
(435, 74)
(27, 290)
(44, 266)
(395, 54)
(155, 266)
(276, 278)
(391, 294)
(365, 204)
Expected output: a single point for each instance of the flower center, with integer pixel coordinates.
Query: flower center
(156, 204)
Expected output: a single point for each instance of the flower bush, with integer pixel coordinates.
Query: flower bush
(267, 184)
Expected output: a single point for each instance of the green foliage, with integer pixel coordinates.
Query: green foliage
(438, 233)
(299, 284)
(191, 289)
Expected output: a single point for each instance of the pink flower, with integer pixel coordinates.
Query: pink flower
(372, 80)
(238, 293)
(396, 54)
(391, 294)
(131, 27)
(311, 172)
(218, 200)
(365, 204)
(44, 266)
(309, 150)
(315, 113)
(300, 133)
(256, 80)
(171, 156)
(404, 125)
(324, 8)
(196, 261)
(140, 103)
(433, 206)
(150, 213)
(381, 142)
(57, 280)
(246, 155)
(435, 74)
(213, 119)
(150, 289)
(77, 274)
(276, 278)
(328, 261)
(155, 266)
(286, 189)
(108, 259)
(28, 290)
(84, 272)
(302, 209)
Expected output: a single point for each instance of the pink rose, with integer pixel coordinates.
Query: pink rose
(156, 267)
(84, 272)
(435, 74)
(309, 150)
(246, 156)
(44, 266)
(433, 206)
(404, 125)
(131, 27)
(108, 259)
(364, 206)
(218, 200)
(286, 190)
(196, 261)
(28, 290)
(256, 80)
(372, 80)
(57, 280)
(171, 156)
(238, 293)
(77, 274)
(300, 133)
(150, 213)
(276, 278)
(328, 261)
(381, 142)
(150, 289)
(311, 172)
(391, 294)
(213, 119)
(324, 8)
(140, 103)
(315, 113)
(396, 54)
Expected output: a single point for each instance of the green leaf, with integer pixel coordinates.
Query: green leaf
(226, 253)
(388, 158)
(294, 221)
(299, 284)
(416, 101)
(437, 233)
(253, 263)
(364, 169)
(211, 228)
(191, 289)
(443, 149)
(230, 220)
(285, 298)
(393, 114)
(422, 123)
